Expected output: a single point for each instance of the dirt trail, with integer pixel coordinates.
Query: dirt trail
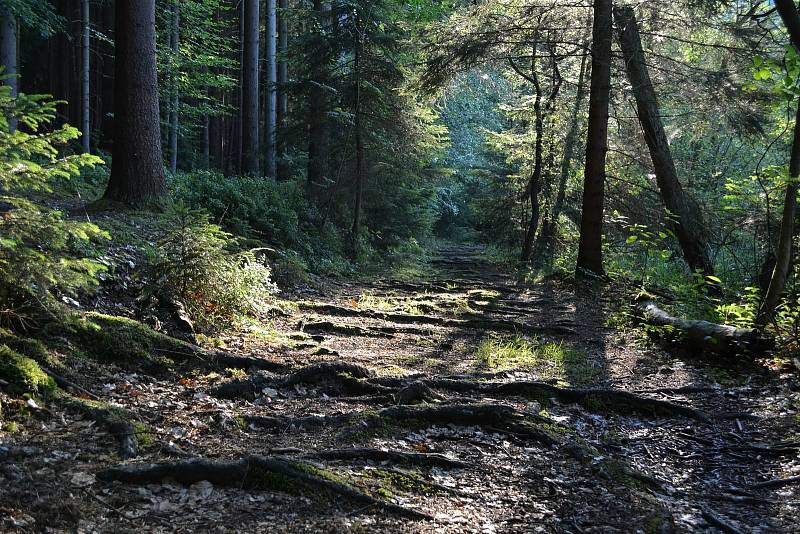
(458, 403)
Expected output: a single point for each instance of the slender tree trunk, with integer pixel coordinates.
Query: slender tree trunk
(317, 105)
(174, 46)
(206, 142)
(249, 103)
(569, 151)
(534, 185)
(271, 159)
(8, 56)
(687, 223)
(86, 136)
(283, 79)
(137, 170)
(590, 248)
(783, 254)
(359, 197)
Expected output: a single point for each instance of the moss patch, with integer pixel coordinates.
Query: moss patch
(23, 373)
(121, 340)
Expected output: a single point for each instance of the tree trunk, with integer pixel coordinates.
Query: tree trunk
(174, 45)
(783, 254)
(283, 78)
(687, 223)
(317, 108)
(86, 137)
(271, 159)
(206, 142)
(569, 152)
(249, 102)
(590, 251)
(8, 55)
(137, 170)
(536, 178)
(359, 198)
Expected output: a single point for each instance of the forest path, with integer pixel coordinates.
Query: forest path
(482, 405)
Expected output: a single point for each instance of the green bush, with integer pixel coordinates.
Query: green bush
(269, 212)
(193, 265)
(41, 253)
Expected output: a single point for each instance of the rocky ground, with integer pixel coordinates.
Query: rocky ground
(462, 402)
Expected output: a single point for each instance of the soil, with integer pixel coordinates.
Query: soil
(482, 457)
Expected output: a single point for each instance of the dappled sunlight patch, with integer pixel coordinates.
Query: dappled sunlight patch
(551, 361)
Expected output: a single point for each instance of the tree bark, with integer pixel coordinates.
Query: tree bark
(571, 138)
(174, 44)
(359, 197)
(536, 177)
(317, 109)
(270, 135)
(783, 254)
(85, 76)
(249, 102)
(8, 56)
(137, 170)
(686, 220)
(283, 79)
(590, 251)
(703, 336)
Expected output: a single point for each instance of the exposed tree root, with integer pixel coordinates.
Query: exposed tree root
(477, 322)
(243, 388)
(255, 472)
(286, 423)
(115, 420)
(497, 417)
(593, 399)
(323, 370)
(343, 329)
(698, 336)
(416, 392)
(596, 399)
(224, 360)
(339, 377)
(378, 455)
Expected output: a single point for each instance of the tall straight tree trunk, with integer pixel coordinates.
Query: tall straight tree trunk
(270, 135)
(783, 254)
(137, 169)
(174, 45)
(206, 142)
(534, 185)
(317, 105)
(8, 55)
(249, 103)
(283, 79)
(86, 137)
(359, 198)
(688, 223)
(590, 248)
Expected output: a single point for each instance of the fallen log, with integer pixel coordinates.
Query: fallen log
(256, 472)
(699, 336)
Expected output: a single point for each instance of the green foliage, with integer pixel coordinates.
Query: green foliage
(268, 212)
(41, 254)
(35, 14)
(193, 264)
(23, 373)
(202, 66)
